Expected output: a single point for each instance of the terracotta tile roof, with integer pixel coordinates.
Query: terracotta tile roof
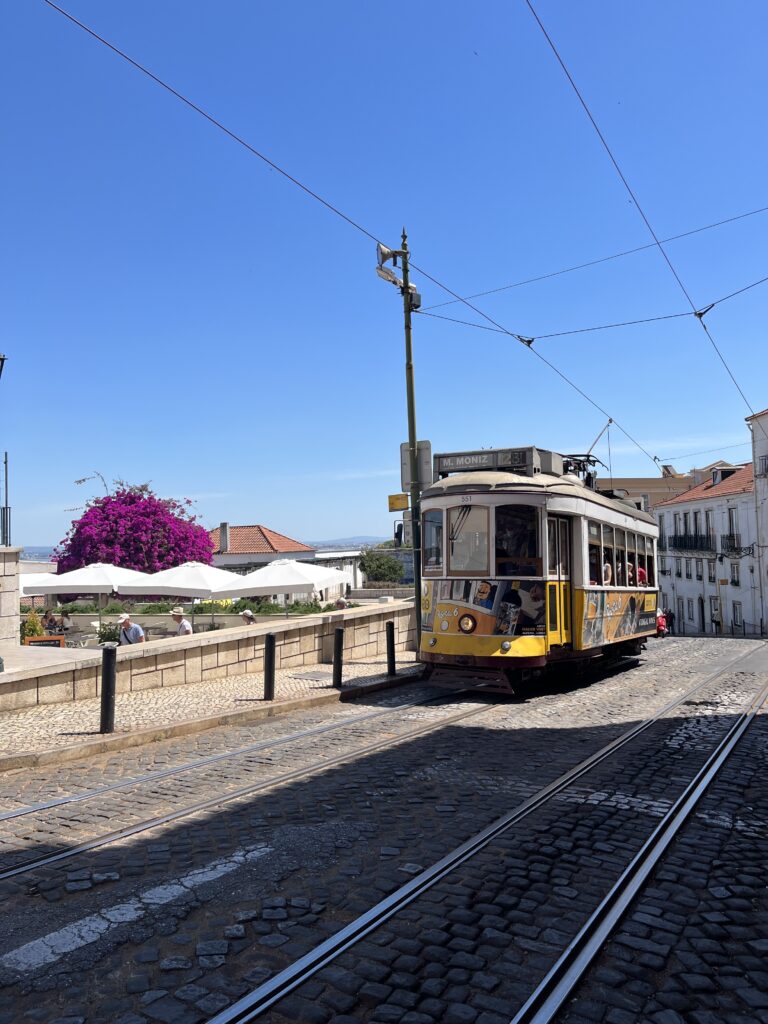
(740, 482)
(755, 415)
(256, 540)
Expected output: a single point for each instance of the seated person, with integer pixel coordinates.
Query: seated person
(50, 622)
(607, 573)
(642, 577)
(67, 625)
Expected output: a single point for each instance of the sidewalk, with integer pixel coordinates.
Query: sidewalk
(48, 733)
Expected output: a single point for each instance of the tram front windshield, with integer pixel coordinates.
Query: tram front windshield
(517, 541)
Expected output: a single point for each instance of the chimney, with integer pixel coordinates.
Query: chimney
(224, 537)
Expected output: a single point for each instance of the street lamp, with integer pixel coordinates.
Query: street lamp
(411, 302)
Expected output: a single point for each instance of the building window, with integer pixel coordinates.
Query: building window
(735, 574)
(677, 522)
(690, 609)
(714, 613)
(661, 524)
(697, 523)
(686, 523)
(699, 569)
(708, 524)
(663, 564)
(711, 570)
(688, 569)
(763, 471)
(680, 609)
(663, 599)
(733, 520)
(737, 619)
(678, 567)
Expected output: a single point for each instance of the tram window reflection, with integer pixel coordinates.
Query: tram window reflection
(432, 531)
(651, 582)
(595, 574)
(467, 540)
(621, 558)
(517, 541)
(609, 570)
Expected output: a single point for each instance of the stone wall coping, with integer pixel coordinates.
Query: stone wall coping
(166, 645)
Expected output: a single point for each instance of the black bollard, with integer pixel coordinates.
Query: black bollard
(391, 666)
(338, 656)
(269, 666)
(108, 684)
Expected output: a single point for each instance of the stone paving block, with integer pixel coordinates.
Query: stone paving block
(56, 688)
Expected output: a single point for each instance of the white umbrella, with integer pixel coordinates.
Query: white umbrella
(28, 582)
(287, 576)
(192, 579)
(99, 578)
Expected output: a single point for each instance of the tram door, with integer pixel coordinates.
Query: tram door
(559, 581)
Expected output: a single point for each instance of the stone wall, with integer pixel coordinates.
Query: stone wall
(215, 655)
(9, 593)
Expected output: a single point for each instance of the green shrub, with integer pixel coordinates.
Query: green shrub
(113, 608)
(108, 632)
(31, 626)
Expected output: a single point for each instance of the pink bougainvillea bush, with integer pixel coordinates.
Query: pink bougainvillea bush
(135, 529)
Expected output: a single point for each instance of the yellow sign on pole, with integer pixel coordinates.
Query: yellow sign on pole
(398, 502)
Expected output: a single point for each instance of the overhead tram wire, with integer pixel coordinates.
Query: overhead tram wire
(329, 206)
(697, 313)
(604, 327)
(602, 259)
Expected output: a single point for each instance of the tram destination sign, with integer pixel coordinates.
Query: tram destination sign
(512, 460)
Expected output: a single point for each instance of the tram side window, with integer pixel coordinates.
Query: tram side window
(621, 558)
(631, 559)
(651, 574)
(468, 540)
(517, 541)
(642, 571)
(609, 569)
(432, 542)
(593, 541)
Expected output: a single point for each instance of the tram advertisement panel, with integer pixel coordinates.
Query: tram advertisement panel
(499, 607)
(607, 615)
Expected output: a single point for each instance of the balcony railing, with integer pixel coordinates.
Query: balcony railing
(730, 542)
(692, 541)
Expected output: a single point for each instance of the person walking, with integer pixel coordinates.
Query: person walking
(249, 619)
(670, 616)
(130, 632)
(184, 627)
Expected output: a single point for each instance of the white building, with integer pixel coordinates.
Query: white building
(710, 561)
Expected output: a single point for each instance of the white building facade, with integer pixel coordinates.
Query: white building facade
(709, 557)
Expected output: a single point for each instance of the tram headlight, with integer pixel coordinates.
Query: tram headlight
(432, 641)
(467, 624)
(506, 645)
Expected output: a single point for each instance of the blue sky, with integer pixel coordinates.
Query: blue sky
(175, 311)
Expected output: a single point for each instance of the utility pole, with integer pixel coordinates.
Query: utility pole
(411, 301)
(412, 441)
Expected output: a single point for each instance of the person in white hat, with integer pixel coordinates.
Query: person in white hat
(130, 632)
(184, 627)
(248, 617)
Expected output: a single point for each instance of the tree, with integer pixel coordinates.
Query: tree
(380, 567)
(135, 529)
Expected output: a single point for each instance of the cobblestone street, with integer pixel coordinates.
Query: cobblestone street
(300, 836)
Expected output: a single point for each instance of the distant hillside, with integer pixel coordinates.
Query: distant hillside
(36, 554)
(346, 542)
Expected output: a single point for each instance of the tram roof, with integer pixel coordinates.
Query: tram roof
(569, 486)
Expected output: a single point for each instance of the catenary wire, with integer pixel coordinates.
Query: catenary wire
(602, 327)
(633, 197)
(707, 451)
(602, 259)
(308, 191)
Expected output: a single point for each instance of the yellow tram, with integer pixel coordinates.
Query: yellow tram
(525, 563)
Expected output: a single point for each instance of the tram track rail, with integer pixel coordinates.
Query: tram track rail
(254, 1004)
(204, 762)
(557, 986)
(115, 835)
